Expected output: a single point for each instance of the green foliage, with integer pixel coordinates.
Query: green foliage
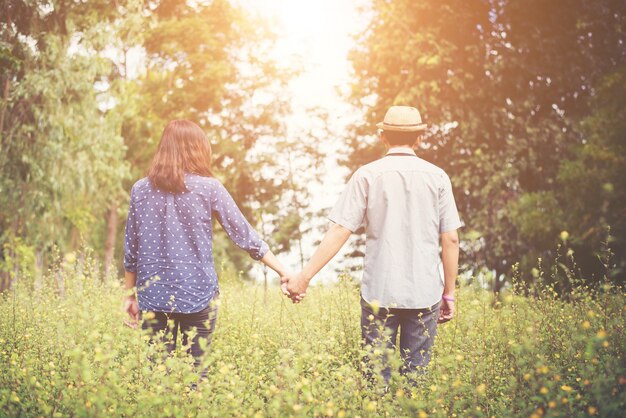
(592, 183)
(522, 115)
(210, 62)
(62, 155)
(18, 259)
(80, 116)
(65, 352)
(534, 217)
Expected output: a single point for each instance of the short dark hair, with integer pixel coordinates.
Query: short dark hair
(401, 138)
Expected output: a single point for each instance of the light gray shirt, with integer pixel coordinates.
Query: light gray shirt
(404, 203)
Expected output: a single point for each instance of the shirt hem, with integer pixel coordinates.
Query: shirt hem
(451, 228)
(214, 295)
(130, 269)
(387, 306)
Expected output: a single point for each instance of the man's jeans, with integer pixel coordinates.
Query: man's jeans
(418, 328)
(203, 321)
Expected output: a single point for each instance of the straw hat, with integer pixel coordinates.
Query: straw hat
(402, 119)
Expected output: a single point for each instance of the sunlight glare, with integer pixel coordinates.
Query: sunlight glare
(314, 37)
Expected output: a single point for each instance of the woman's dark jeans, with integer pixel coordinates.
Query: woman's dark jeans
(203, 322)
(418, 327)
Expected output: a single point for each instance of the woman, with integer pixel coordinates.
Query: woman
(168, 254)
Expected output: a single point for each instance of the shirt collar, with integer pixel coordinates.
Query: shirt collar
(401, 149)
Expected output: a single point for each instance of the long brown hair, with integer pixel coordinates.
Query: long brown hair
(184, 148)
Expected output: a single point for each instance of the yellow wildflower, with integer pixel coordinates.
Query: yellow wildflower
(481, 388)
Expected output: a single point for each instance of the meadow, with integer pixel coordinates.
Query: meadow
(64, 351)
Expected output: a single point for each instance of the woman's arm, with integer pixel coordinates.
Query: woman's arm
(333, 240)
(130, 301)
(243, 234)
(270, 260)
(236, 225)
(131, 249)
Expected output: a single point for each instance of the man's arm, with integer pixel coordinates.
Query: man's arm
(450, 258)
(332, 242)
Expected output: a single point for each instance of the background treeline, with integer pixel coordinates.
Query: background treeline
(87, 88)
(526, 100)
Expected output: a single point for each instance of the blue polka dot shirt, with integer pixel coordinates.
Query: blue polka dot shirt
(168, 242)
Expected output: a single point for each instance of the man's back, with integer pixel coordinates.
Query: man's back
(404, 203)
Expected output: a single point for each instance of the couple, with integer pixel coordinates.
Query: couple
(405, 204)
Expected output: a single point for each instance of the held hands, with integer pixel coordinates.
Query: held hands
(294, 286)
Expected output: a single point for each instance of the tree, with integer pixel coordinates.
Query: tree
(592, 183)
(209, 62)
(79, 124)
(61, 154)
(504, 86)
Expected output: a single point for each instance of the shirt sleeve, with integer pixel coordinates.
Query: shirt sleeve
(131, 238)
(349, 211)
(236, 225)
(448, 214)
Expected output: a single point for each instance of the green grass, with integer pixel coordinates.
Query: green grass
(70, 355)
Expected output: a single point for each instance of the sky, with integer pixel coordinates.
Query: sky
(317, 36)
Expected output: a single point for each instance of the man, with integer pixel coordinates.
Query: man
(407, 207)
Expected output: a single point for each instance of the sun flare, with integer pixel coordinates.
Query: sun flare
(315, 38)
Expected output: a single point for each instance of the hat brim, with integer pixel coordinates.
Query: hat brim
(401, 128)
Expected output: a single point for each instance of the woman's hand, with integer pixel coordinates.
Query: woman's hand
(296, 287)
(131, 307)
(284, 279)
(130, 301)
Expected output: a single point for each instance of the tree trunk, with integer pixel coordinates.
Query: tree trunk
(300, 250)
(5, 89)
(4, 281)
(109, 247)
(38, 283)
(16, 270)
(74, 240)
(5, 96)
(5, 275)
(497, 283)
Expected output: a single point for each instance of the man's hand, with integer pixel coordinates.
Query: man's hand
(446, 311)
(296, 287)
(284, 281)
(334, 239)
(132, 308)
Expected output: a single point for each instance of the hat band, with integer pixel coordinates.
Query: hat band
(402, 124)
